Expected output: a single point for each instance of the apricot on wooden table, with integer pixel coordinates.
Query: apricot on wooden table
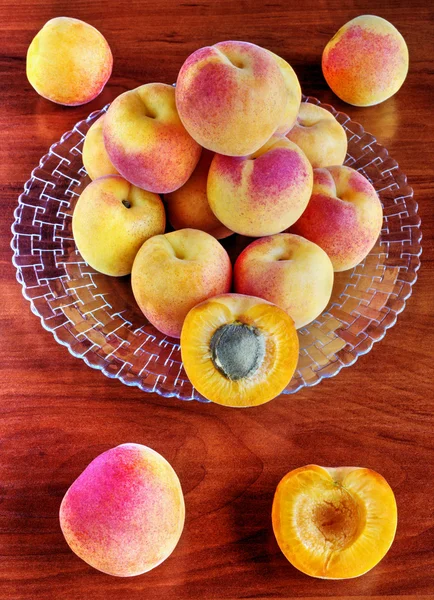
(334, 523)
(125, 513)
(366, 61)
(239, 350)
(69, 61)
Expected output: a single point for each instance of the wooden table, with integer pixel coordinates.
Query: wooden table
(57, 414)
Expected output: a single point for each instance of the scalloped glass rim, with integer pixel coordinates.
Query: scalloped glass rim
(365, 302)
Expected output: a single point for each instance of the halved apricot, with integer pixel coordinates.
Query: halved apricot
(334, 523)
(239, 350)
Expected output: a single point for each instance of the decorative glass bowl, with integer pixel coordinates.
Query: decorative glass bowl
(97, 319)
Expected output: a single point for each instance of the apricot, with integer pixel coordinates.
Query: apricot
(68, 61)
(188, 206)
(334, 523)
(344, 216)
(231, 97)
(96, 161)
(111, 220)
(146, 141)
(293, 95)
(288, 271)
(125, 513)
(174, 272)
(321, 137)
(366, 61)
(239, 350)
(263, 193)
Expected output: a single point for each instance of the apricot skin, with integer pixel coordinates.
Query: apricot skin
(366, 61)
(125, 513)
(263, 193)
(293, 97)
(188, 206)
(146, 141)
(69, 61)
(96, 161)
(108, 235)
(321, 137)
(231, 97)
(289, 271)
(174, 272)
(344, 216)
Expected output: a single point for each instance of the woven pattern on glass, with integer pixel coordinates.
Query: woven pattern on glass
(97, 319)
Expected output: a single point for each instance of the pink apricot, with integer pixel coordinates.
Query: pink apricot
(146, 141)
(344, 216)
(366, 61)
(125, 513)
(289, 271)
(231, 97)
(263, 193)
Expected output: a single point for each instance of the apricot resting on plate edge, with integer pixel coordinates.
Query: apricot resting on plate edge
(239, 350)
(334, 523)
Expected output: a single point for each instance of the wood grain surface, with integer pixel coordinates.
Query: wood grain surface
(57, 414)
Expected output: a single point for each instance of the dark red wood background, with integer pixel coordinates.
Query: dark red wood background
(57, 414)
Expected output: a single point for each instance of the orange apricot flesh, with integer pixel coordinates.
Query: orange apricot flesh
(334, 523)
(239, 350)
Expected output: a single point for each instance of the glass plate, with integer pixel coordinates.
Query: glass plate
(97, 319)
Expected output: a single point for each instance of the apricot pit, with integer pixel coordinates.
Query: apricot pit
(237, 350)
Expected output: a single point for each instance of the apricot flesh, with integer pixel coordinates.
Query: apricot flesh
(334, 523)
(239, 350)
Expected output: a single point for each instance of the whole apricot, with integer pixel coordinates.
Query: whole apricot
(366, 61)
(69, 61)
(125, 513)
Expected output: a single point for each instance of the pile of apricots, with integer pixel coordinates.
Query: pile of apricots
(231, 149)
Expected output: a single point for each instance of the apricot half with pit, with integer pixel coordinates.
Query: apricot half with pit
(334, 523)
(239, 350)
